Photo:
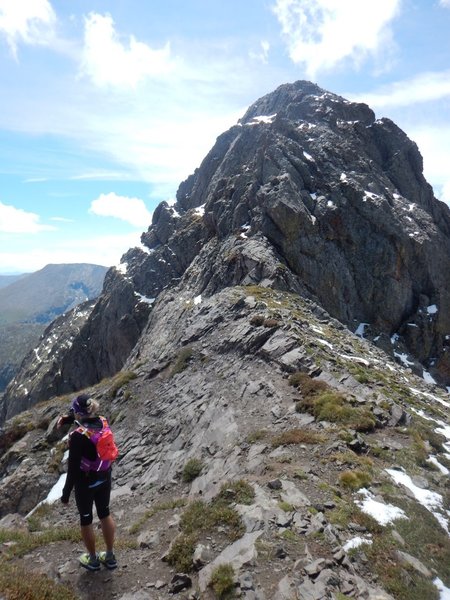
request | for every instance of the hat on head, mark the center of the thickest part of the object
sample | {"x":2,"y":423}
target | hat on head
{"x":80,"y":404}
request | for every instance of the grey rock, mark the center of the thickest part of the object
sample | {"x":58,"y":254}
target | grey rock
{"x":286,"y":589}
{"x":309,"y":590}
{"x":315,"y":567}
{"x":415,"y":563}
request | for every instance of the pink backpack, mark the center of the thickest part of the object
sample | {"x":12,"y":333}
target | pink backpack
{"x":103,"y":439}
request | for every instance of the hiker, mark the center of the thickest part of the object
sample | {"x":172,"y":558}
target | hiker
{"x":91,"y":478}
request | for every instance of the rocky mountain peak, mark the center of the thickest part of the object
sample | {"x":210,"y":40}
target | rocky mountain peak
{"x":308,"y":193}
{"x":268,"y":362}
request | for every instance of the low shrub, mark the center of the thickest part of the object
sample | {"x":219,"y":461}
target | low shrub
{"x":257,"y":320}
{"x":202,"y":518}
{"x":181,"y":362}
{"x":297,"y":436}
{"x":181,"y":553}
{"x":238,"y":491}
{"x":222,"y":581}
{"x":192,"y":469}
{"x":119,"y":380}
{"x":17,"y":583}
{"x":355,"y":480}
{"x":334,"y":407}
{"x":306,"y":384}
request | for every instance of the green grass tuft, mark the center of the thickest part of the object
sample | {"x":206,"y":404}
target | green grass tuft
{"x":192,"y":469}
{"x":222,"y":581}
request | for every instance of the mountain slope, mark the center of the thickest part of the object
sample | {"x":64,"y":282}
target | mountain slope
{"x":42,"y":296}
{"x":30,"y":303}
{"x":228,"y":448}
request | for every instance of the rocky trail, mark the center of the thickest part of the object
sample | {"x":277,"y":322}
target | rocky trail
{"x":267,"y":442}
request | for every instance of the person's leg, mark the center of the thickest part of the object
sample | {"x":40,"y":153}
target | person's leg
{"x":108,"y":530}
{"x":88,"y":537}
{"x":85,"y":500}
{"x":107,"y":523}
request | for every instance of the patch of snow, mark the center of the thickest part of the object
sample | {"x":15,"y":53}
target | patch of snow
{"x":122,"y":268}
{"x":343,"y":177}
{"x":313,"y":195}
{"x":317,"y":329}
{"x":144,"y":299}
{"x":308,"y":156}
{"x":432,"y":309}
{"x":382,"y":513}
{"x":200,"y":210}
{"x":432,"y":501}
{"x":313,"y":219}
{"x":360,"y":330}
{"x":175,"y":213}
{"x":363,"y":361}
{"x":431,"y":396}
{"x":324,"y":343}
{"x":443,"y":591}
{"x":330,"y":203}
{"x":428,"y":378}
{"x":262,"y":119}
{"x":403,"y":358}
{"x":369,"y":196}
{"x":394,"y":338}
{"x":433,"y":460}
{"x":198,"y":299}
{"x":356,"y":542}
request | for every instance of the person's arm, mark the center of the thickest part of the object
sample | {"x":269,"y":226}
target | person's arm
{"x":73,"y":466}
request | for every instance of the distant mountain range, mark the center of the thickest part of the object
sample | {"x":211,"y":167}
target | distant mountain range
{"x":29,"y":302}
{"x":8,"y":279}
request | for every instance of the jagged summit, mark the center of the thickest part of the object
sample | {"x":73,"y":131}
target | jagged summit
{"x":308,"y":193}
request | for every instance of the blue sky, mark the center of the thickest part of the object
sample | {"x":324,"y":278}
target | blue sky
{"x":105,"y":107}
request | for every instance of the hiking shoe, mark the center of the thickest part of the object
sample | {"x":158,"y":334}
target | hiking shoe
{"x":89,"y":564}
{"x":109,"y":562}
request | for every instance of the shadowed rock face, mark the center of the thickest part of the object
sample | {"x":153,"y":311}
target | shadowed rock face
{"x":308,"y":193}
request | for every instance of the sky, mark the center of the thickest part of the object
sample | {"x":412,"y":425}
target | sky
{"x":106,"y":107}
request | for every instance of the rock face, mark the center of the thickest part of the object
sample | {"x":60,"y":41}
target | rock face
{"x":308,"y":193}
{"x":29,"y":303}
{"x":80,"y":348}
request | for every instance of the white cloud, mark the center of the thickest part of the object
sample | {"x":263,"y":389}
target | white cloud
{"x":263,"y":54}
{"x":26,"y":21}
{"x":434,"y":145}
{"x":108,"y":61}
{"x":16,"y":220}
{"x":130,"y":210}
{"x":421,"y":88}
{"x":99,"y":250}
{"x":445,"y":194}
{"x":445,"y":3}
{"x":322,"y":33}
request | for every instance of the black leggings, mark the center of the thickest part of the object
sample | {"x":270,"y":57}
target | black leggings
{"x":88,"y":492}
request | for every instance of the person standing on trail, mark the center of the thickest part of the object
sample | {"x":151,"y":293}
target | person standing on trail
{"x":91,"y":478}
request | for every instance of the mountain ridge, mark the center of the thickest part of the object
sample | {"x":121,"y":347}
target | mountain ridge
{"x":266,"y":363}
{"x":33,"y":301}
